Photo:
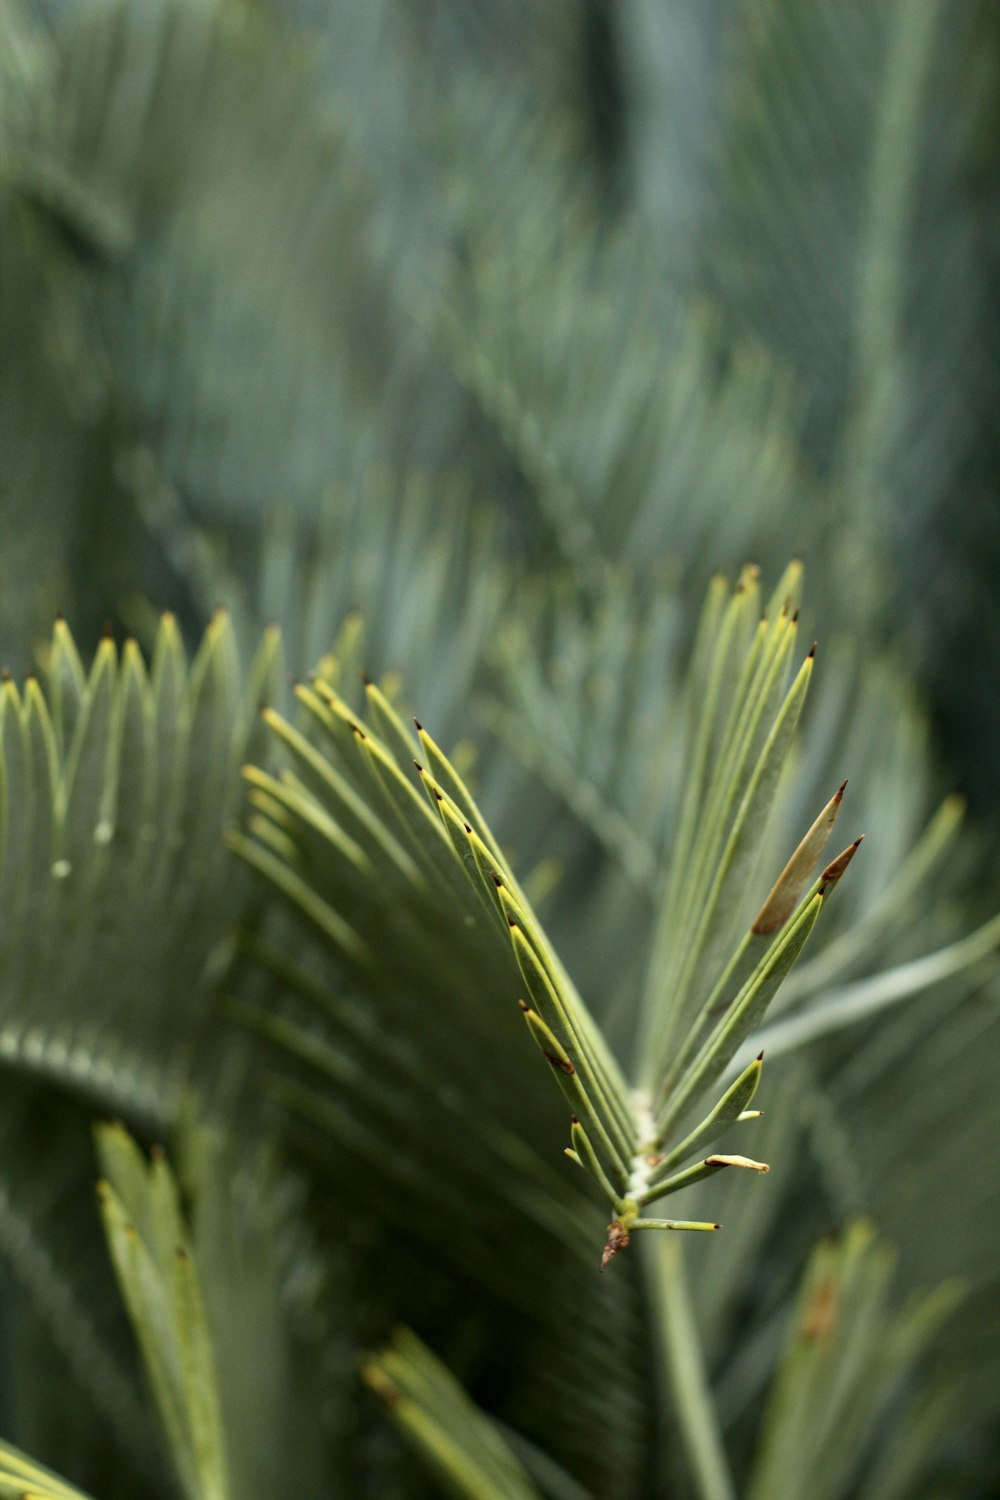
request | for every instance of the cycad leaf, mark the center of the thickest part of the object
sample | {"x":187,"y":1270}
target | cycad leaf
{"x":445,"y":1426}
{"x":159,"y":1282}
{"x":22,"y":1479}
{"x":358,"y":848}
{"x":847,"y":1355}
{"x":115,"y":884}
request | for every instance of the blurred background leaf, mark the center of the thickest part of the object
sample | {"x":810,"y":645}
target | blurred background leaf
{"x":466,"y":343}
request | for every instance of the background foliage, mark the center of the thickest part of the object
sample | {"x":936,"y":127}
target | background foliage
{"x":460,"y":346}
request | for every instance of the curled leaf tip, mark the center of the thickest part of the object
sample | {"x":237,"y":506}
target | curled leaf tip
{"x":738,"y":1161}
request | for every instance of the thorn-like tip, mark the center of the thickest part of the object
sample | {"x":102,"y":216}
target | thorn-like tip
{"x":511,"y":922}
{"x":420,"y":769}
{"x":420,"y":727}
{"x":812,"y":652}
{"x":795,"y":618}
{"x":573,"y":1120}
{"x":438,"y":796}
{"x":524,"y":1005}
{"x":842,"y":787}
{"x":366,"y":680}
{"x":467,"y":827}
{"x":760,"y":1055}
{"x":496,"y":880}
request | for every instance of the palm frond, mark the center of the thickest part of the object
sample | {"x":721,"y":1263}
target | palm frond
{"x":152,"y":1257}
{"x":347,"y":828}
{"x":444,"y":1425}
{"x":117,"y":783}
{"x":846,"y":1355}
{"x":22,"y":1479}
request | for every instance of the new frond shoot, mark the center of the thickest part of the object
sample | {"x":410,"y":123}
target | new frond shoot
{"x":347,"y":830}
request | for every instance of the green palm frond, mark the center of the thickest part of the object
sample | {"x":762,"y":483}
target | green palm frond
{"x":441,"y":1421}
{"x":117,"y":784}
{"x":351,"y":841}
{"x":22,"y":1479}
{"x":160,"y":1285}
{"x":233,"y":1393}
{"x":846,"y":1355}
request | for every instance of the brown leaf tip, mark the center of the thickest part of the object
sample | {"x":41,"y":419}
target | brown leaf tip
{"x":562,"y":1063}
{"x":617,"y":1240}
{"x":524,"y":1006}
{"x":836,"y":867}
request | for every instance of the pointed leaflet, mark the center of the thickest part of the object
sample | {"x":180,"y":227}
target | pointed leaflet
{"x":449,"y":1430}
{"x":742,"y":1016}
{"x":740,"y":733}
{"x":792,"y":881}
{"x":22,"y":1479}
{"x":775,"y":912}
{"x":713,"y":916}
{"x":727,"y":1112}
{"x":152,"y":1258}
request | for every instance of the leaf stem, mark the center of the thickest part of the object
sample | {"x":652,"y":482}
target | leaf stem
{"x":684,"y":1365}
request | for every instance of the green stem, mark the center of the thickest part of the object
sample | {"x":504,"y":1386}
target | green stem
{"x":684,"y":1365}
